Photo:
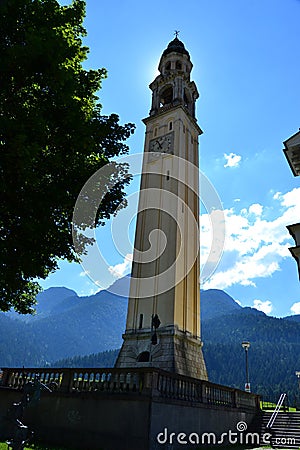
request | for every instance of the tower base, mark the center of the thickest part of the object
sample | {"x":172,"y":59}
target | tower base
{"x":175,"y":351}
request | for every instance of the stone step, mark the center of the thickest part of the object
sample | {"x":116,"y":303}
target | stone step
{"x":285,"y":429}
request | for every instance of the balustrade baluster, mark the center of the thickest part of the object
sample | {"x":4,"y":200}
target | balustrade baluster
{"x":122,"y":381}
{"x":11,"y":379}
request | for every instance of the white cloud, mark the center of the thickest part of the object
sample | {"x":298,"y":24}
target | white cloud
{"x":120,"y":270}
{"x":290,"y":198}
{"x":232,"y":160}
{"x":254,"y":246}
{"x":256,"y":209}
{"x":295,"y":308}
{"x":265,"y":306}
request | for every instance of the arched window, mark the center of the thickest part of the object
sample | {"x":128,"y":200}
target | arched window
{"x":166,"y":96}
{"x":168,"y":66}
{"x":144,"y":357}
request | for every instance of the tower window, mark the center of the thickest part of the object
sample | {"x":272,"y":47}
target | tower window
{"x":178,"y":65}
{"x":171,"y":126}
{"x":168,"y":66}
{"x":184,"y":128}
{"x":141,"y":321}
{"x":155,"y":131}
{"x":144,"y":357}
{"x":168,"y":175}
{"x":166,"y":97}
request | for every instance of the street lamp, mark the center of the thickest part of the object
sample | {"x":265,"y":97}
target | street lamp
{"x":297,"y":396}
{"x":298,"y":376}
{"x":246,"y":345}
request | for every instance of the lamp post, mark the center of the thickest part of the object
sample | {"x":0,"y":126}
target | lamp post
{"x":298,"y":376}
{"x":246,"y":345}
{"x":296,"y":396}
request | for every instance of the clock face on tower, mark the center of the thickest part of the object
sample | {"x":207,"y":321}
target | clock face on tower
{"x":162,"y":144}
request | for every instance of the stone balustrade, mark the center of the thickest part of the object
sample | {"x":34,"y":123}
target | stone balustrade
{"x":142,"y":381}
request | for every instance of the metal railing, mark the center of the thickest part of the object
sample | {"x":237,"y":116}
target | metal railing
{"x":276,"y":411}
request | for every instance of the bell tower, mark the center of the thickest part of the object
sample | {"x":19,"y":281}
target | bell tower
{"x":163,"y":319}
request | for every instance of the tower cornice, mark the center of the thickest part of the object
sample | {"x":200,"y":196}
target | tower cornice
{"x":166,"y":110}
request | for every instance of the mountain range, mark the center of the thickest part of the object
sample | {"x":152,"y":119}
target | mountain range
{"x":67,"y":328}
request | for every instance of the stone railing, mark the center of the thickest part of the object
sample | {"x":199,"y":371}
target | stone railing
{"x":76,"y":380}
{"x":142,"y":381}
{"x":184,"y":388}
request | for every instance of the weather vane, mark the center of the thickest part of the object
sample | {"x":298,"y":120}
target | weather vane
{"x":176,"y":33}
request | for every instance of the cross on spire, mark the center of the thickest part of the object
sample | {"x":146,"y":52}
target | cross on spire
{"x":176,"y":33}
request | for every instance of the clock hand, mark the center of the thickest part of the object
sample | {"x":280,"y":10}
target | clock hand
{"x":159,"y":144}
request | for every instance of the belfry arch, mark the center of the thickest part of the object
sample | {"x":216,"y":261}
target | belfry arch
{"x":166,"y":95}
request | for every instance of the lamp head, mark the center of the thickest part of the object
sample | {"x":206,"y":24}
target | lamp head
{"x":245,"y":345}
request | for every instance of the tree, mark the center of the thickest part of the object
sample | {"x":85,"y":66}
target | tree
{"x":52,"y":139}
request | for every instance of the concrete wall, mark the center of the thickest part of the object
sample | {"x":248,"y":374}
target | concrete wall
{"x":97,"y":421}
{"x":194,"y":422}
{"x":83,"y":421}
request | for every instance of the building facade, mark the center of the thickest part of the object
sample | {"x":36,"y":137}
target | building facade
{"x":292,"y":154}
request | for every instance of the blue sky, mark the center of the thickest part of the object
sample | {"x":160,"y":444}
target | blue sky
{"x":246,"y":67}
